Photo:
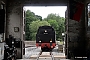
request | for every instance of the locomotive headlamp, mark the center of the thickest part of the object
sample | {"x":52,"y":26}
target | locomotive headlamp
{"x":50,"y":40}
{"x":12,"y":42}
{"x":45,"y":30}
{"x":39,"y":41}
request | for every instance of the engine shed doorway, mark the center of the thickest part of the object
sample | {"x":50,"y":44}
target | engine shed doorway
{"x":36,"y":16}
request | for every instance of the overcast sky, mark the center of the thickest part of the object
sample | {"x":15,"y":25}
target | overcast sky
{"x":44,"y":11}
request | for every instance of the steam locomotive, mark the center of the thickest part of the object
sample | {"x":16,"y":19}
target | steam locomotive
{"x":45,"y":38}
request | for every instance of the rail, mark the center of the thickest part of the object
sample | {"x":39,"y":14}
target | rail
{"x":52,"y":56}
{"x":41,"y":54}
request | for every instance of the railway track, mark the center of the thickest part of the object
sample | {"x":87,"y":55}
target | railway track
{"x":45,"y":55}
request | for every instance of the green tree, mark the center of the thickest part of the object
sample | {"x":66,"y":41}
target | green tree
{"x":52,"y":16}
{"x":34,"y":27}
{"x":55,"y":25}
{"x":58,"y":23}
{"x":34,"y":21}
{"x":30,"y":16}
{"x":39,"y":17}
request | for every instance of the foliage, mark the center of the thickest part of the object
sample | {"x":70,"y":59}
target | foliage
{"x":34,"y":21}
{"x":34,"y":27}
{"x":30,"y":16}
{"x":58,"y":23}
{"x":39,"y":17}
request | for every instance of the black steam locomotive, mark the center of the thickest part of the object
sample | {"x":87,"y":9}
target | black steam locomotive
{"x":45,"y":38}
